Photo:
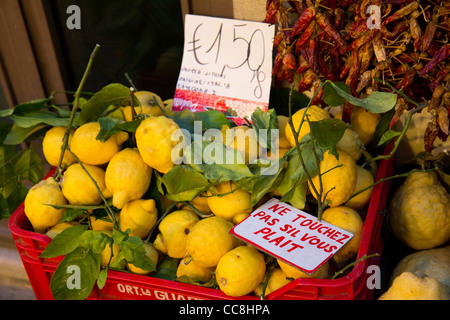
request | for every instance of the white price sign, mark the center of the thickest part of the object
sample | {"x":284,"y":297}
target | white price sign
{"x":226,"y":64}
{"x":292,"y":235}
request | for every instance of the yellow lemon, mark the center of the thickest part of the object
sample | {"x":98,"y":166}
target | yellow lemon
{"x":152,"y":254}
{"x":347,"y":219}
{"x":351,"y":143}
{"x":139,"y":216}
{"x":338,"y":178}
{"x":200,"y":203}
{"x":419,"y":211}
{"x":246,"y":142}
{"x":110,"y":253}
{"x":89,"y":150}
{"x":103,"y":223}
{"x":363,"y":122}
{"x":283,"y":142}
{"x":149,"y":105}
{"x":229,"y":202}
{"x":175,"y":229}
{"x":364,"y":179}
{"x":159,"y":244}
{"x":60,"y":227}
{"x":293,"y":273}
{"x":433,"y":263}
{"x":277,"y":280}
{"x":38,"y":203}
{"x":408,"y":286}
{"x":209,"y":239}
{"x":156,"y":145}
{"x":127,"y":176}
{"x":78,"y":187}
{"x":51,"y":146}
{"x":193,"y":271}
{"x":314,"y":113}
{"x":240,"y":271}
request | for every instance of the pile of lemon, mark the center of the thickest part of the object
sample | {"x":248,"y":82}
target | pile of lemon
{"x":96,"y":171}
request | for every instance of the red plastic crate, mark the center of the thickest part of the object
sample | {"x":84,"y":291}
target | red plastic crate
{"x":123,"y":285}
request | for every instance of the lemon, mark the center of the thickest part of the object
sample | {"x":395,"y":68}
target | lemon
{"x":38,"y":203}
{"x":363,"y":122}
{"x":347,"y":219}
{"x":148,"y":105}
{"x":209,"y":239}
{"x":51,"y":146}
{"x":229,"y":202}
{"x":433,"y":263}
{"x":200,"y":203}
{"x":364,"y":179}
{"x":193,"y":271}
{"x":175,"y":229}
{"x":277,"y":280}
{"x":159,"y":244}
{"x":78,"y":187}
{"x":168,"y":107}
{"x":240,"y":271}
{"x":314,"y":113}
{"x":155,"y":144}
{"x":245,"y":141}
{"x":283,"y":142}
{"x":293,"y":273}
{"x":60,"y":227}
{"x":110,"y":253}
{"x":127,"y":176}
{"x":89,"y":150}
{"x":103,"y":223}
{"x":152,"y":254}
{"x":419,"y":211}
{"x":408,"y":286}
{"x":139,"y":216}
{"x":351,"y":143}
{"x":338,"y":178}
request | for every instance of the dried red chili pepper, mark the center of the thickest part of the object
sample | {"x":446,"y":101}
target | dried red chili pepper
{"x":271,"y":11}
{"x":365,"y":54}
{"x":302,"y":65}
{"x":326,"y":26}
{"x":353,"y":73}
{"x":429,"y":33}
{"x":442,"y":119}
{"x":407,"y":80}
{"x":366,"y":37}
{"x":378,"y":48}
{"x":305,"y":36}
{"x":402,"y":12}
{"x":324,"y":69}
{"x":416,"y":32}
{"x":435,"y":100}
{"x":364,"y":80}
{"x":289,"y":61}
{"x":440,"y":76}
{"x":400,"y":107}
{"x":308,"y":78}
{"x":346,"y":68}
{"x":441,"y":55}
{"x":431,"y":133}
{"x":303,"y":21}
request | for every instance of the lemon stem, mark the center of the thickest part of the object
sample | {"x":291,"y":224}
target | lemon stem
{"x":354,"y":263}
{"x":74,"y":109}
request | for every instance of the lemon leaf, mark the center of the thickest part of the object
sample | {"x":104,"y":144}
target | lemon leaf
{"x":112,"y":94}
{"x":328,"y":132}
{"x":265,"y":121}
{"x":76,"y":275}
{"x":63,"y":243}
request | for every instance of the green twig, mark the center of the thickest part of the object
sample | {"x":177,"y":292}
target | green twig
{"x":74,"y":109}
{"x":353,"y":264}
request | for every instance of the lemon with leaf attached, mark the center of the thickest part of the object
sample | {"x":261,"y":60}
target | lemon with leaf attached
{"x":139,"y":216}
{"x":150,"y":105}
{"x":151,"y":253}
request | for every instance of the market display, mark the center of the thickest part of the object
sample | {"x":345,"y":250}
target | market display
{"x":136,"y":191}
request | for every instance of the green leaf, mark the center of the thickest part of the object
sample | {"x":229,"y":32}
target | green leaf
{"x":184,"y":119}
{"x":328,"y":132}
{"x":102,"y":276}
{"x":64,"y":242}
{"x":31,"y":119}
{"x":110,"y":126}
{"x":132,"y":250}
{"x":167,"y":269}
{"x":71,"y":214}
{"x":331,"y":97}
{"x":94,"y":240}
{"x":29,"y":166}
{"x":186,"y":189}
{"x":76,"y":275}
{"x":17,"y":135}
{"x":265,"y":122}
{"x":388,"y":135}
{"x":212,"y":119}
{"x":264,"y":183}
{"x":297,"y":196}
{"x":112,"y":94}
{"x":376,"y":102}
{"x":27,"y":107}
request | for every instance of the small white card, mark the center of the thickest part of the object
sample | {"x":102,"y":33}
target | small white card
{"x":227,"y":64}
{"x":291,"y":235}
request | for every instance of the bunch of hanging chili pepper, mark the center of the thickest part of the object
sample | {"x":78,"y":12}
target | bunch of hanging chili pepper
{"x":331,"y":39}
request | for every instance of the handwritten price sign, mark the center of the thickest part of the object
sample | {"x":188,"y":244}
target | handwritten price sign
{"x":226,"y":66}
{"x":292,"y":235}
